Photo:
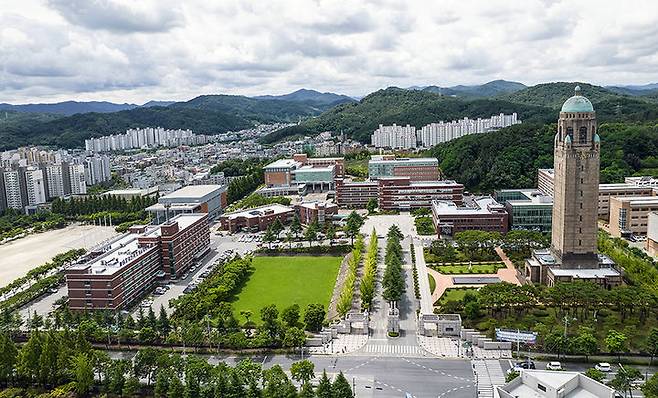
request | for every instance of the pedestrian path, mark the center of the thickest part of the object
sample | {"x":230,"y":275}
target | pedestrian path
{"x":441,"y":346}
{"x":393,"y":350}
{"x":343,"y":344}
{"x":488,"y":375}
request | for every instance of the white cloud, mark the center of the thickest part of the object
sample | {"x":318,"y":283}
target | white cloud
{"x":127,"y":51}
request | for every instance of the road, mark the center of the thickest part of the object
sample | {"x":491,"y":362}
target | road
{"x":375,"y":376}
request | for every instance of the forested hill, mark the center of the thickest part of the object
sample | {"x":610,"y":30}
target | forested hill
{"x":510,"y":157}
{"x":205,"y":114}
{"x":400,"y":106}
{"x":553,"y":95}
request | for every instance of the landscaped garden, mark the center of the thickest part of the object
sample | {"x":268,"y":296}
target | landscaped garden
{"x":285,"y":281}
{"x":454,"y":294}
{"x":432,"y":283}
{"x":464,"y":268}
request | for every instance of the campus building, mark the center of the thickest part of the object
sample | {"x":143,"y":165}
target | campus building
{"x":528,"y":209}
{"x":210,"y":199}
{"x":256,"y":219}
{"x":630,"y":215}
{"x":301,"y":174}
{"x":355,"y":194}
{"x":479,"y":213}
{"x":573,"y":253}
{"x":652,"y":234}
{"x":316,"y":211}
{"x":633,"y":186}
{"x":551,"y":384}
{"x":417,"y":169}
{"x":120,"y":272}
{"x":403,"y":193}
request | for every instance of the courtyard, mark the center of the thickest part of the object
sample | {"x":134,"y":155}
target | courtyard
{"x":285,"y":281}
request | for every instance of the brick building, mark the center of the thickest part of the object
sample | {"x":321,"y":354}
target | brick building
{"x":119,"y":273}
{"x":479,"y":213}
{"x":209,"y":199}
{"x":312,"y":211}
{"x":256,"y":219}
{"x":355,"y":194}
{"x":417,"y":169}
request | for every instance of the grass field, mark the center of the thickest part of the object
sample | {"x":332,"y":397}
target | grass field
{"x":454,"y":295}
{"x":463,"y":269}
{"x":285,"y":281}
{"x":432,"y":283}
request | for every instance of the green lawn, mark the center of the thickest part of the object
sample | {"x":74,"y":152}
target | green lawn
{"x":432,"y":283}
{"x":454,"y":295}
{"x":463,"y":269}
{"x":285,"y":281}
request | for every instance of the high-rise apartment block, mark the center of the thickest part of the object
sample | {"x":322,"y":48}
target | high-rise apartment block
{"x":407,"y":137}
{"x":394,"y":137}
{"x":149,"y":137}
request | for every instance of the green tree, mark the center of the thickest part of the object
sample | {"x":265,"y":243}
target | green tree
{"x":650,"y":387}
{"x":269,"y":237}
{"x":277,"y":227}
{"x":586,"y":344}
{"x":163,"y":325}
{"x":302,"y":371}
{"x":595,"y":374}
{"x":511,"y":376}
{"x":311,"y":233}
{"x":616,"y":342}
{"x":132,"y":387}
{"x":652,"y":343}
{"x":270,"y":317}
{"x":314,"y":317}
{"x":294,"y":337}
{"x":83,"y":373}
{"x":324,"y":387}
{"x":49,"y":369}
{"x":330,"y":233}
{"x":290,"y":315}
{"x":353,"y":224}
{"x":371,"y":206}
{"x":625,"y":379}
{"x":116,"y":376}
{"x":277,"y":384}
{"x":8,"y":358}
{"x":28,"y":359}
{"x":306,"y":391}
{"x":341,"y":387}
{"x":176,"y":388}
{"x":146,"y":363}
{"x":472,"y":310}
{"x":296,"y":226}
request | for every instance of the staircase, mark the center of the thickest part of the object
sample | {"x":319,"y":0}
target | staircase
{"x":489,"y":374}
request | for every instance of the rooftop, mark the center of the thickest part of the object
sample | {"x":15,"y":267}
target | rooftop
{"x":275,"y":208}
{"x":637,"y":200}
{"x":480,"y":205}
{"x":577,"y":103}
{"x":194,"y":191}
{"x":402,"y":161}
{"x":561,"y":384}
{"x":584,"y":273}
{"x":283,"y":164}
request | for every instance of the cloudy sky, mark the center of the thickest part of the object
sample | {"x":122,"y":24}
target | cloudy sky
{"x":135,"y":51}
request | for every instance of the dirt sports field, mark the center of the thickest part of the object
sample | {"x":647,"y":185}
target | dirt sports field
{"x":21,"y":255}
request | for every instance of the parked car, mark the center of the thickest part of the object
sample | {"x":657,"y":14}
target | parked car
{"x":554,"y":366}
{"x":525,"y":365}
{"x":603,"y":367}
{"x":515,"y":369}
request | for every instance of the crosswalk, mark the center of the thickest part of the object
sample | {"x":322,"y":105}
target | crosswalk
{"x":489,"y":374}
{"x":393,"y":350}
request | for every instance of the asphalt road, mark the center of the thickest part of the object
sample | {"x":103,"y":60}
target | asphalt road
{"x":380,"y":376}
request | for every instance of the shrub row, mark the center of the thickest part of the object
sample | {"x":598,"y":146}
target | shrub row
{"x":347,"y":294}
{"x":415,"y":272}
{"x":367,"y":286}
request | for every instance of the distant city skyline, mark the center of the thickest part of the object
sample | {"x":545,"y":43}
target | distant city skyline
{"x":122,"y":51}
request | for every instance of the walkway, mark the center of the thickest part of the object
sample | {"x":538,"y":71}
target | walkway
{"x":444,"y":281}
{"x":488,"y":374}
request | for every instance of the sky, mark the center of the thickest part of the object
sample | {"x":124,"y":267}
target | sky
{"x":136,"y":51}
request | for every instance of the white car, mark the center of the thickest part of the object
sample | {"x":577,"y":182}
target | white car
{"x":515,"y":369}
{"x":603,"y":367}
{"x":554,"y":366}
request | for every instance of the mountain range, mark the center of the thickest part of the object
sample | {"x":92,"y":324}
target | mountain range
{"x":53,"y":124}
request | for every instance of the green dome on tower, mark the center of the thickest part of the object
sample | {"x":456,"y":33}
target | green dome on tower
{"x":577,"y":103}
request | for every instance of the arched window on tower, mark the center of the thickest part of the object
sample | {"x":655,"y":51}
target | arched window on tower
{"x":593,"y":132}
{"x":582,"y":135}
{"x":570,"y":132}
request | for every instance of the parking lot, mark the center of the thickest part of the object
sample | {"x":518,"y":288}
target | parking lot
{"x":222,"y":246}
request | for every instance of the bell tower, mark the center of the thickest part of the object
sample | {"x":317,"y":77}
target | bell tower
{"x":576,"y":185}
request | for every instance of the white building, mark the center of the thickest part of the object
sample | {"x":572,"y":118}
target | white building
{"x":553,"y":384}
{"x":55,"y":178}
{"x":13,"y":189}
{"x":97,"y":169}
{"x":436,"y":133}
{"x":149,"y":137}
{"x":394,"y":137}
{"x":35,"y":186}
{"x":77,"y":179}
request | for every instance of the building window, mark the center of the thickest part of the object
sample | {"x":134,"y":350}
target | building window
{"x":541,"y":388}
{"x":582,"y":135}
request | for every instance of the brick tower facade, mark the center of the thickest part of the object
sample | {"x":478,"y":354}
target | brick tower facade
{"x":576,"y":157}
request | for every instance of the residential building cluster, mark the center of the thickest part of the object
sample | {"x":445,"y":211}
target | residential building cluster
{"x":120,"y":272}
{"x":31,"y":177}
{"x":407,"y":137}
{"x":149,"y":137}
